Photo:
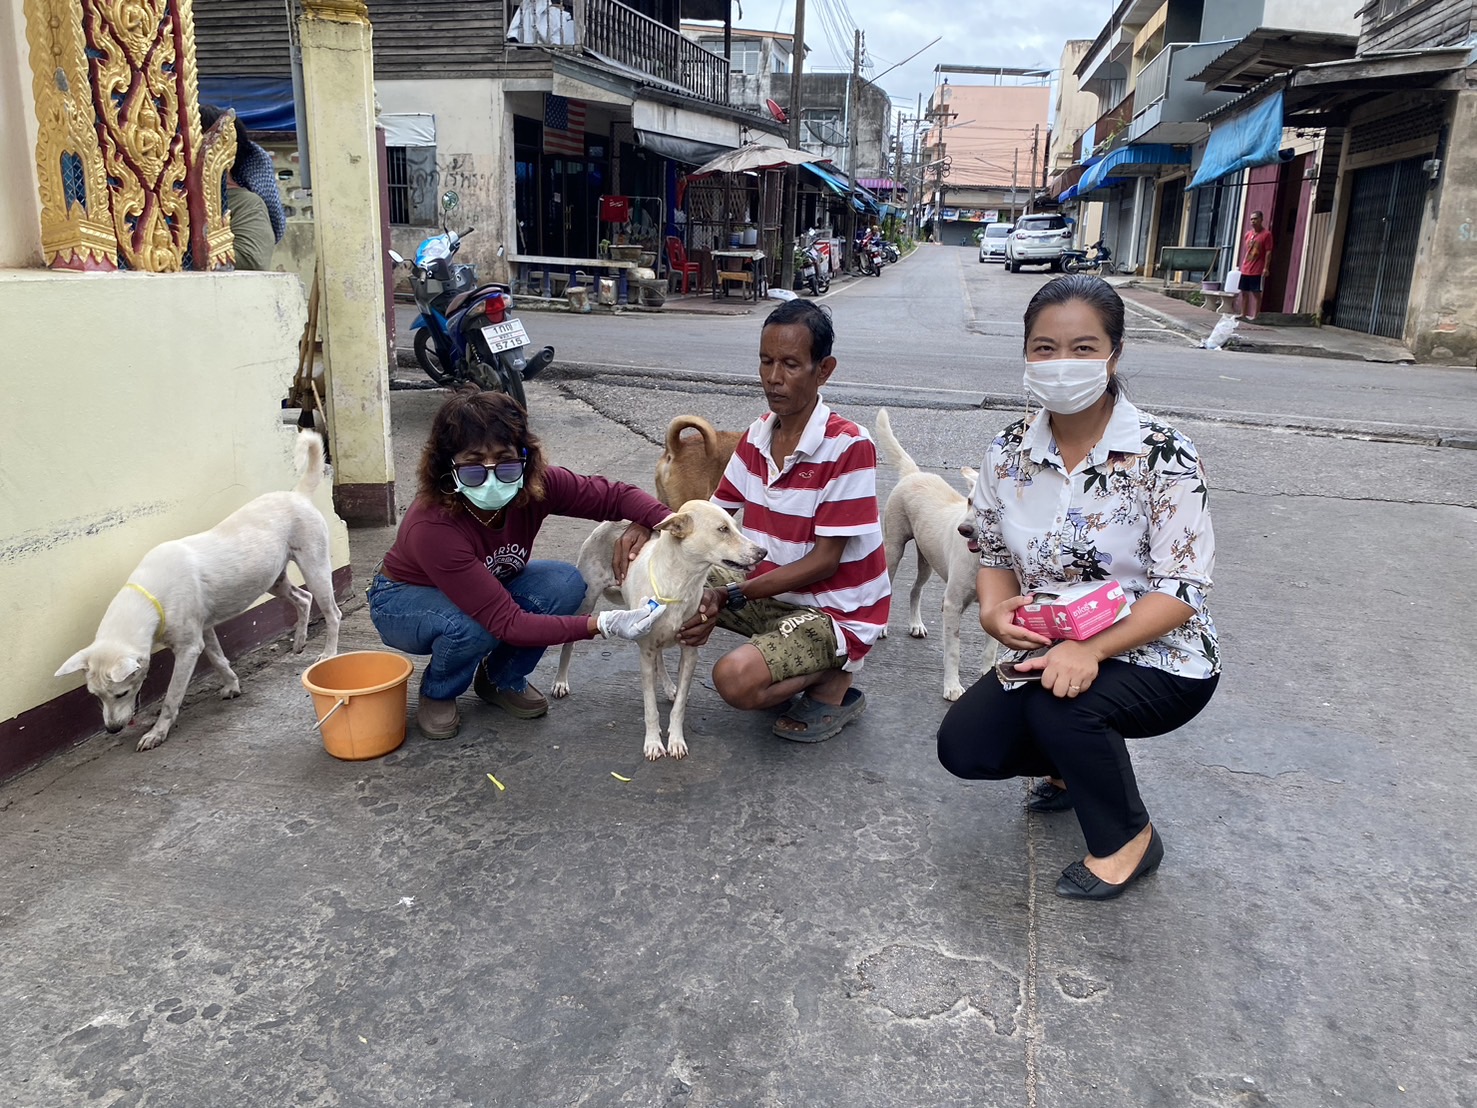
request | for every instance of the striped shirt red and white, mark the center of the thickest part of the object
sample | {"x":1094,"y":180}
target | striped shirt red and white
{"x":828,"y":487}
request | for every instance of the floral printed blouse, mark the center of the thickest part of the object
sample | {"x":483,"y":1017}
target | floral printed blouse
{"x":1135,"y":511}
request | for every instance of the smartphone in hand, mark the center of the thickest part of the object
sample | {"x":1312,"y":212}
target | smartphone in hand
{"x":1009,"y":671}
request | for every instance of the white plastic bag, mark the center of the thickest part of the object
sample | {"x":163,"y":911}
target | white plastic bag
{"x":1221,"y":333}
{"x":1232,"y":282}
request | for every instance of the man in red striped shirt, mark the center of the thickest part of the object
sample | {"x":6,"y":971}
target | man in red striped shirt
{"x":806,"y":481}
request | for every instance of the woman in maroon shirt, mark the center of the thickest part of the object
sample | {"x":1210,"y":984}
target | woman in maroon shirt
{"x":460,"y":584}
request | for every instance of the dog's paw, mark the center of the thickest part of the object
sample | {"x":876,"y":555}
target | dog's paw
{"x":653,"y":749}
{"x":560,"y":690}
{"x":669,"y":690}
{"x":151,"y":739}
{"x":918,"y":631}
{"x":299,"y":641}
{"x":676,"y":747}
{"x":953,"y":692}
{"x":231,"y":691}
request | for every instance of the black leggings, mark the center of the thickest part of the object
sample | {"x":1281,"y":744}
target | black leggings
{"x":991,"y":734}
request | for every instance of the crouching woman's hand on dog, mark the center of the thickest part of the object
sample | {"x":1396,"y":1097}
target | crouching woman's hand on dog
{"x":626,"y":548}
{"x":697,"y":630}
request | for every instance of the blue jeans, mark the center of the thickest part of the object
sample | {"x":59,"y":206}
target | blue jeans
{"x":418,"y":619}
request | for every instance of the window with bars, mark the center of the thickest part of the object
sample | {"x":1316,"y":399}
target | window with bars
{"x":412,"y":183}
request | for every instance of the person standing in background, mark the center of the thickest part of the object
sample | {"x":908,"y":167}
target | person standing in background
{"x":1256,"y":252}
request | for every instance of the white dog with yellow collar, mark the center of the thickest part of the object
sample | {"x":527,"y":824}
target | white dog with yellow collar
{"x":184,"y":587}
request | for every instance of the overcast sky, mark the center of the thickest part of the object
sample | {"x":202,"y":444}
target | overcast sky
{"x":1016,"y":33}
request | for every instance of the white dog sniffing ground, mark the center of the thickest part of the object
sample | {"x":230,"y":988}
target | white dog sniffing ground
{"x":184,"y":587}
{"x":673,"y":567}
{"x":923,"y":509}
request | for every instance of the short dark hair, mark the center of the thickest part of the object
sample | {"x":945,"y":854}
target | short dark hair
{"x":475,"y":418}
{"x":813,"y":318}
{"x":1093,"y":291}
{"x":209,"y":113}
{"x":1255,"y":214}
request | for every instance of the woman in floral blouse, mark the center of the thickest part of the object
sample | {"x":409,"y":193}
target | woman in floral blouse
{"x":1088,"y":489}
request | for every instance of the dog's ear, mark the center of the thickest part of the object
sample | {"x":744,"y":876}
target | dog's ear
{"x":678,"y":525}
{"x":75,"y":664}
{"x":124,"y":668}
{"x":970,"y":476}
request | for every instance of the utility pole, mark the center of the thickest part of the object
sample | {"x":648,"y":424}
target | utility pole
{"x":897,"y":160}
{"x":1035,"y":142}
{"x":792,"y":175}
{"x":854,"y":89}
{"x":1015,"y":164}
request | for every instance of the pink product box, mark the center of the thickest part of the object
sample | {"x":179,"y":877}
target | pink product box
{"x":1076,"y":612}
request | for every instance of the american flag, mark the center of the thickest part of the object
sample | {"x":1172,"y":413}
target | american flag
{"x":564,"y":126}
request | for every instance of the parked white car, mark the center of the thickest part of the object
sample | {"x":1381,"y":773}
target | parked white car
{"x":1037,"y":240}
{"x":992,"y":242}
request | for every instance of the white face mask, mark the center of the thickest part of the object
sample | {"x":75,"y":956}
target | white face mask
{"x":1067,"y":385}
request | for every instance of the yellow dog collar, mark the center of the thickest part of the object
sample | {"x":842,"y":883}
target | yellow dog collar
{"x":152,"y":599}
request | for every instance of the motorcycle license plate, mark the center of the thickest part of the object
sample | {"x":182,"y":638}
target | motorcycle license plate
{"x":508,"y":335}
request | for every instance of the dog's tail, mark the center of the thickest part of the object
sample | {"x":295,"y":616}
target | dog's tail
{"x":892,"y":450}
{"x":698,"y":424}
{"x":307,"y":456}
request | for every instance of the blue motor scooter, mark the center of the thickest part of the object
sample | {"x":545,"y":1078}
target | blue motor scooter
{"x":465,"y":331}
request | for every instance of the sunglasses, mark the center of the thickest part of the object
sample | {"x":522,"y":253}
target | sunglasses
{"x":474,"y":476}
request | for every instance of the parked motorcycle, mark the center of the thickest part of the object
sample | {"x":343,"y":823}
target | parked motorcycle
{"x":465,"y":331}
{"x":1099,"y":261}
{"x":812,"y":270}
{"x":890,"y":252}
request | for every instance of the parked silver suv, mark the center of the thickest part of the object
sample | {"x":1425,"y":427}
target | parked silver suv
{"x":1037,"y":240}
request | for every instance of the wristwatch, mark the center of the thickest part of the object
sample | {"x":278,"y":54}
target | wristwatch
{"x":736,"y":597}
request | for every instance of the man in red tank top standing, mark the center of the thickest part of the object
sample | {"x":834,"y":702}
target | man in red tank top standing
{"x":1256,"y":254}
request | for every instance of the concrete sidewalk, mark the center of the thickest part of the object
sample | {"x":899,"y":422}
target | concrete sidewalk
{"x":238,"y":919}
{"x":1307,"y":342}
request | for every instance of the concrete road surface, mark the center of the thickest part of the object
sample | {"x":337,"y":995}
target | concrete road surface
{"x":238,"y":919}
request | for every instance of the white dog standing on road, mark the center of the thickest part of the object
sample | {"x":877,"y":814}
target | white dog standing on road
{"x":922,"y":508}
{"x":673,"y":567}
{"x":184,"y":587}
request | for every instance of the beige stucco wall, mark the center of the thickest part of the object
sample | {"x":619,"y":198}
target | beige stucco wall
{"x":1075,"y":109}
{"x":163,"y":417}
{"x":474,"y":158}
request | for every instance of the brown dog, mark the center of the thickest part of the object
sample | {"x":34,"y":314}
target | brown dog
{"x":690,"y":468}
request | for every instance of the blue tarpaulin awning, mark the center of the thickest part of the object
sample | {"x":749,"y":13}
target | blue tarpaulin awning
{"x":1152,"y":153}
{"x":1247,"y":139}
{"x":261,"y":103}
{"x":862,"y":200}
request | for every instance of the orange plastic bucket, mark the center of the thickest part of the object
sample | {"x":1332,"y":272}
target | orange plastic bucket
{"x":359,"y":700}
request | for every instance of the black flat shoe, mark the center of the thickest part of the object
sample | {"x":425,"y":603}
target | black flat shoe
{"x":1077,"y":882}
{"x":1046,"y":797}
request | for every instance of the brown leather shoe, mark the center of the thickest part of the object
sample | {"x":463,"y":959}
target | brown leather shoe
{"x":438,"y":719}
{"x":528,"y":704}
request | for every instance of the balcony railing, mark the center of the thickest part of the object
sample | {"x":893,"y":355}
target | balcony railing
{"x":1153,"y":83}
{"x":616,"y":33}
{"x":1104,"y":129}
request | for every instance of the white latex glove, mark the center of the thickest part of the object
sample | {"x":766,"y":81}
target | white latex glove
{"x":629,"y":623}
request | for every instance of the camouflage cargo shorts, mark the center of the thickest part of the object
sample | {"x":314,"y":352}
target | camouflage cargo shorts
{"x":794,"y":641}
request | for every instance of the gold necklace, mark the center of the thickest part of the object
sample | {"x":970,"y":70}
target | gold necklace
{"x":488,"y":522}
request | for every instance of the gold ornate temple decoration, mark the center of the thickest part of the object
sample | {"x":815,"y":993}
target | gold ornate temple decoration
{"x":76,"y":216}
{"x":214,"y":240}
{"x":120,"y":152}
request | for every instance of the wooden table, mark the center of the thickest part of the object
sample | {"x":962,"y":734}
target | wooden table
{"x":566,"y":266}
{"x":750,"y":272}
